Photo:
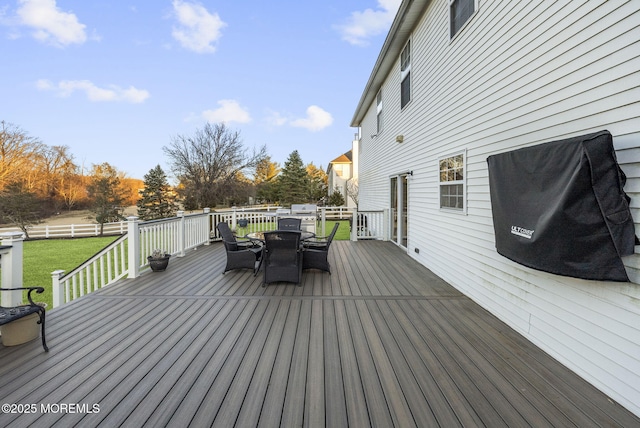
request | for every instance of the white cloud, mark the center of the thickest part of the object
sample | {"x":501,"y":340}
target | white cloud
{"x":198,"y":30}
{"x":229,"y":111}
{"x":316,"y":120}
{"x":66,"y":88}
{"x":275,"y":119}
{"x":50,"y":24}
{"x":363,"y":25}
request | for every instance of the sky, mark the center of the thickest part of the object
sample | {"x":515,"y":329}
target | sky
{"x":116,"y":81}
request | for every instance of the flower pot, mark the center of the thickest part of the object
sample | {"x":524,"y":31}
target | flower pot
{"x":159,"y":264}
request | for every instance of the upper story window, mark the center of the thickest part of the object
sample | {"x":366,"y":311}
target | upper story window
{"x":405,"y":75}
{"x":452,"y":182}
{"x":379,"y":111}
{"x":459,"y":13}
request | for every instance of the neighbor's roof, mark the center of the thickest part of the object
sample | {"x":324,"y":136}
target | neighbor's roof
{"x":343,"y":158}
{"x":404,"y":23}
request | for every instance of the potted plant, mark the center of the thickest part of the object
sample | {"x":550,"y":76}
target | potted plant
{"x":158,"y":260}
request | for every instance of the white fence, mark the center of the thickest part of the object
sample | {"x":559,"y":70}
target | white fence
{"x":70,"y":230}
{"x":127,"y":255}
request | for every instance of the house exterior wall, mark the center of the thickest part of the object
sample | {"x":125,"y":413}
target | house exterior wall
{"x":518,"y":74}
{"x":339,"y":175}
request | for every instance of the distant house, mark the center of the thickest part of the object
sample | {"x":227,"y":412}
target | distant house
{"x":342,"y":175}
{"x":458,"y":81}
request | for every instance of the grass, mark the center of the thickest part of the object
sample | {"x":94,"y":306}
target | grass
{"x":343,"y":233}
{"x":40,"y":258}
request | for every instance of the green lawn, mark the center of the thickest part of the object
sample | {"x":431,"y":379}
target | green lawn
{"x":343,"y":232}
{"x":45,"y":256}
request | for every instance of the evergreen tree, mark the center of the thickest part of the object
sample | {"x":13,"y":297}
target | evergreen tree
{"x":336,"y":199}
{"x":265,"y":180}
{"x":318,"y":183}
{"x":157,"y":200}
{"x":105,"y":194}
{"x":293,"y":181}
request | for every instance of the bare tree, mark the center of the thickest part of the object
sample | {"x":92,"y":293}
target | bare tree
{"x":207,"y":164}
{"x":16,"y":153}
{"x":353,"y":190}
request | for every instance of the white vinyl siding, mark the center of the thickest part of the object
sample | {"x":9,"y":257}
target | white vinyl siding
{"x":525,"y":73}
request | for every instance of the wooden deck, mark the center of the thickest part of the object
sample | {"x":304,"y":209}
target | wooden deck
{"x":380,"y":342}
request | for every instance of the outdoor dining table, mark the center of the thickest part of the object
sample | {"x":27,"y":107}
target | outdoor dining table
{"x":259,"y":236}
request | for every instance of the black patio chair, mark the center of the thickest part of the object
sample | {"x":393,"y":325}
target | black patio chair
{"x":316,"y":254}
{"x":282,"y":259}
{"x":321,"y":242}
{"x":249,"y":258}
{"x":240,"y":255}
{"x":14,"y":313}
{"x":227,"y":235}
{"x":289,"y":223}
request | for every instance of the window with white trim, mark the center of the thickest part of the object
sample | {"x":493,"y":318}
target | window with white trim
{"x":405,"y":75}
{"x":459,"y":13}
{"x":452,"y":182}
{"x":379,"y":111}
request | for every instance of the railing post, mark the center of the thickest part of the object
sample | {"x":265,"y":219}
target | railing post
{"x":133,"y":231}
{"x":207,"y":211}
{"x":324,"y":220}
{"x":386,"y":218}
{"x":234,"y":218}
{"x":181,"y":232}
{"x":58,"y":292}
{"x":12,"y":268}
{"x":354,"y":225}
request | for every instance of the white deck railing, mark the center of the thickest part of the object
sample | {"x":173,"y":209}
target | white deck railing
{"x":104,"y":268}
{"x":370,"y":225}
{"x":127,"y":255}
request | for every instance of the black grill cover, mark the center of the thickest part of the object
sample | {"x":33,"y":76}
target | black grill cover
{"x":560,"y":207}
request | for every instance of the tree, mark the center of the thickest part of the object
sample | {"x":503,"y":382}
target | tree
{"x":353,"y":190}
{"x":318,"y":183}
{"x":20,"y":207}
{"x":157,"y":198}
{"x":16,"y":153}
{"x":51,"y":166}
{"x":265,"y":180}
{"x":207,"y":164}
{"x":131,"y":188}
{"x":293,"y":181}
{"x":105,"y":194}
{"x":336,"y":199}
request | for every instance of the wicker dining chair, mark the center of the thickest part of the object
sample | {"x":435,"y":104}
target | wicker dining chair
{"x":321,"y":242}
{"x":282,"y":257}
{"x":240,"y":254}
{"x":289,"y":223}
{"x":316,"y":252}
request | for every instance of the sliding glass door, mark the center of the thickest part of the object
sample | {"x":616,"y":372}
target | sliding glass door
{"x":399,"y":209}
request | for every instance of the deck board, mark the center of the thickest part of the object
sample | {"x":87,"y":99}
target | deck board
{"x":381,"y":342}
